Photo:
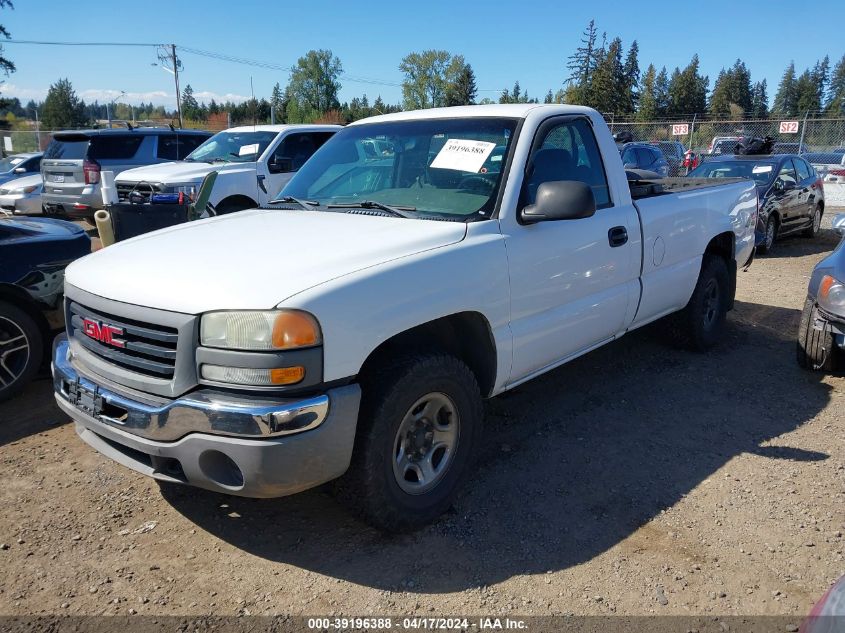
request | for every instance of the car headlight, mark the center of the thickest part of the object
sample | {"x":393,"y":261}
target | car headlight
{"x":832,"y":295}
{"x":265,"y":330}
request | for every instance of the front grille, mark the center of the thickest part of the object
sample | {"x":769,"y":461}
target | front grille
{"x":147,"y":348}
{"x":143,"y":191}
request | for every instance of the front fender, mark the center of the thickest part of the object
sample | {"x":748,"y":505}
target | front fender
{"x":359,"y":311}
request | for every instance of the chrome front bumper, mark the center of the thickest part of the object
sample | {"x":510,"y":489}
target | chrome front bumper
{"x":245,"y":446}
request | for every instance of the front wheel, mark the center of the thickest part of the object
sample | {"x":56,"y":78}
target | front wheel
{"x":771,"y":234}
{"x":816,"y":348}
{"x":419,"y":426}
{"x":813,"y":229}
{"x":21,"y":349}
{"x":699,"y":325}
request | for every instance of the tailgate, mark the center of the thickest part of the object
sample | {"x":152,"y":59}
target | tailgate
{"x":61,"y":167}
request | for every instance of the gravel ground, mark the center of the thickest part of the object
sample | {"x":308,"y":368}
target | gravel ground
{"x":639,"y":479}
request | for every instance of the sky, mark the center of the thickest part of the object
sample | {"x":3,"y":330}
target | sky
{"x":503,"y":41}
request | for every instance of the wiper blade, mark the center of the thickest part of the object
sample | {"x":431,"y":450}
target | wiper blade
{"x":399,"y":212}
{"x":305,"y":204}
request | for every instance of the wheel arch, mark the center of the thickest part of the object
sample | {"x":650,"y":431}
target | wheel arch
{"x":18,"y":297}
{"x":724,"y":245}
{"x":238,"y":199}
{"x":466,"y":335}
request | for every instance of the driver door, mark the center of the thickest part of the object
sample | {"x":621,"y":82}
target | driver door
{"x":789,"y":198}
{"x":574,"y":283}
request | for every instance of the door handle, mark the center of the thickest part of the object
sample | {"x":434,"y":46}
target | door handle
{"x":617,"y":236}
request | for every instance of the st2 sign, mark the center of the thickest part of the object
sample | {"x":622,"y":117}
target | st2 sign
{"x":680,"y":129}
{"x":789,"y":127}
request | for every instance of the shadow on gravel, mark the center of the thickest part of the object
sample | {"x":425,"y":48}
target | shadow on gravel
{"x":798,"y":246}
{"x":573,"y":463}
{"x":31,"y":412}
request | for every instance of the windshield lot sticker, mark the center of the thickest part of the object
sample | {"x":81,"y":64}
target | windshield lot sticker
{"x":463,"y":155}
{"x":248,"y":149}
{"x":761,"y":169}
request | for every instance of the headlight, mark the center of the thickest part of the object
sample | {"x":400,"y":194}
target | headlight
{"x":260,"y":330}
{"x":832,"y":295}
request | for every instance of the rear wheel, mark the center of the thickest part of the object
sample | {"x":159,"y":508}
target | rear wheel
{"x":816,"y":348}
{"x":21,"y":349}
{"x":771,"y":234}
{"x":699,"y":325}
{"x":419,"y":426}
{"x":813,"y":229}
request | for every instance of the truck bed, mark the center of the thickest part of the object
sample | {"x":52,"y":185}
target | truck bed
{"x":650,"y":187}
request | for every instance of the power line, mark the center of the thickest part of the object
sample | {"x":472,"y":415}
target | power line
{"x":47,"y":43}
{"x":223,"y":57}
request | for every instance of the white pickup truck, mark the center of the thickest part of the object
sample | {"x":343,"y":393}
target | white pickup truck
{"x":418,"y":263}
{"x":253,"y":163}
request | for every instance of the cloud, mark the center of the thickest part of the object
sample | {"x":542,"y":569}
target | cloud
{"x":157,"y":97}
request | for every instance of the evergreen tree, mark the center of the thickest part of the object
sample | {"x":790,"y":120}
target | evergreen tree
{"x":786,"y":98}
{"x":807,"y":93}
{"x":62,"y":108}
{"x":732,"y":91}
{"x":760,"y":101}
{"x":688,"y":90}
{"x":278,"y":102}
{"x":836,"y":91}
{"x":462,"y":90}
{"x":648,"y":106}
{"x":661,"y":92}
{"x":549,"y":97}
{"x":190,"y":107}
{"x":632,"y":78}
{"x":821,"y":74}
{"x":582,"y":62}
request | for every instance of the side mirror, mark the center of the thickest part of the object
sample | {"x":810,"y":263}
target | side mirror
{"x":560,"y":200}
{"x":280,"y":165}
{"x":19,"y":170}
{"x":839,"y":224}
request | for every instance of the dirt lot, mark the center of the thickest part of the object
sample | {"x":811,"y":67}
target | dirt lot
{"x":639,"y":479}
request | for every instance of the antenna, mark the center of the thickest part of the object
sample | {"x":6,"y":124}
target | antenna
{"x":254,"y":105}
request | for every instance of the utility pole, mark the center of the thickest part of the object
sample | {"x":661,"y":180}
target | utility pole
{"x":176,"y":77}
{"x":171,"y":63}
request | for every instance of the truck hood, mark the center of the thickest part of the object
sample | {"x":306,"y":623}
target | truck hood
{"x":252,"y":259}
{"x":177,"y":173}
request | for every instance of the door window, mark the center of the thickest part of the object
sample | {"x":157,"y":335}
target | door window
{"x":803,"y":169}
{"x":300,"y":147}
{"x":644,"y":157}
{"x":114,"y":146}
{"x":787,"y":172}
{"x":569,"y":152}
{"x":177,"y":146}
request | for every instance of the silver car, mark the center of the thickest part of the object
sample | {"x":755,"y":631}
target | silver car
{"x":73,"y":162}
{"x":18,"y":165}
{"x":22,"y":196}
{"x":821,"y":334}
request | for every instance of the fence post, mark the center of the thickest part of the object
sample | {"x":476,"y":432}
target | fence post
{"x":692,"y":130}
{"x":37,"y":130}
{"x":611,"y":123}
{"x":803,"y":128}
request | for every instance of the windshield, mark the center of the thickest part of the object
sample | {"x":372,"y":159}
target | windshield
{"x":760,"y":172}
{"x":233,"y":147}
{"x":8,"y":164}
{"x":446,"y":167}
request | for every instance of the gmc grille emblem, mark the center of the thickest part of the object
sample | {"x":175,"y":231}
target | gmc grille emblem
{"x":103,"y":332}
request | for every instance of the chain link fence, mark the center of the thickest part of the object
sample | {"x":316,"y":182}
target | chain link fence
{"x":822,"y":140}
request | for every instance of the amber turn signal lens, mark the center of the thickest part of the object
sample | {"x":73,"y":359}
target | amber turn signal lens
{"x":295,"y":329}
{"x":824,"y":288}
{"x":287,"y":375}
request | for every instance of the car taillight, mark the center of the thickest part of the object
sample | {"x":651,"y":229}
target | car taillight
{"x":91,"y":169}
{"x":837,"y":172}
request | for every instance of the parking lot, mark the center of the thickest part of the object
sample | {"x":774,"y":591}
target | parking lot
{"x":638,"y":479}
